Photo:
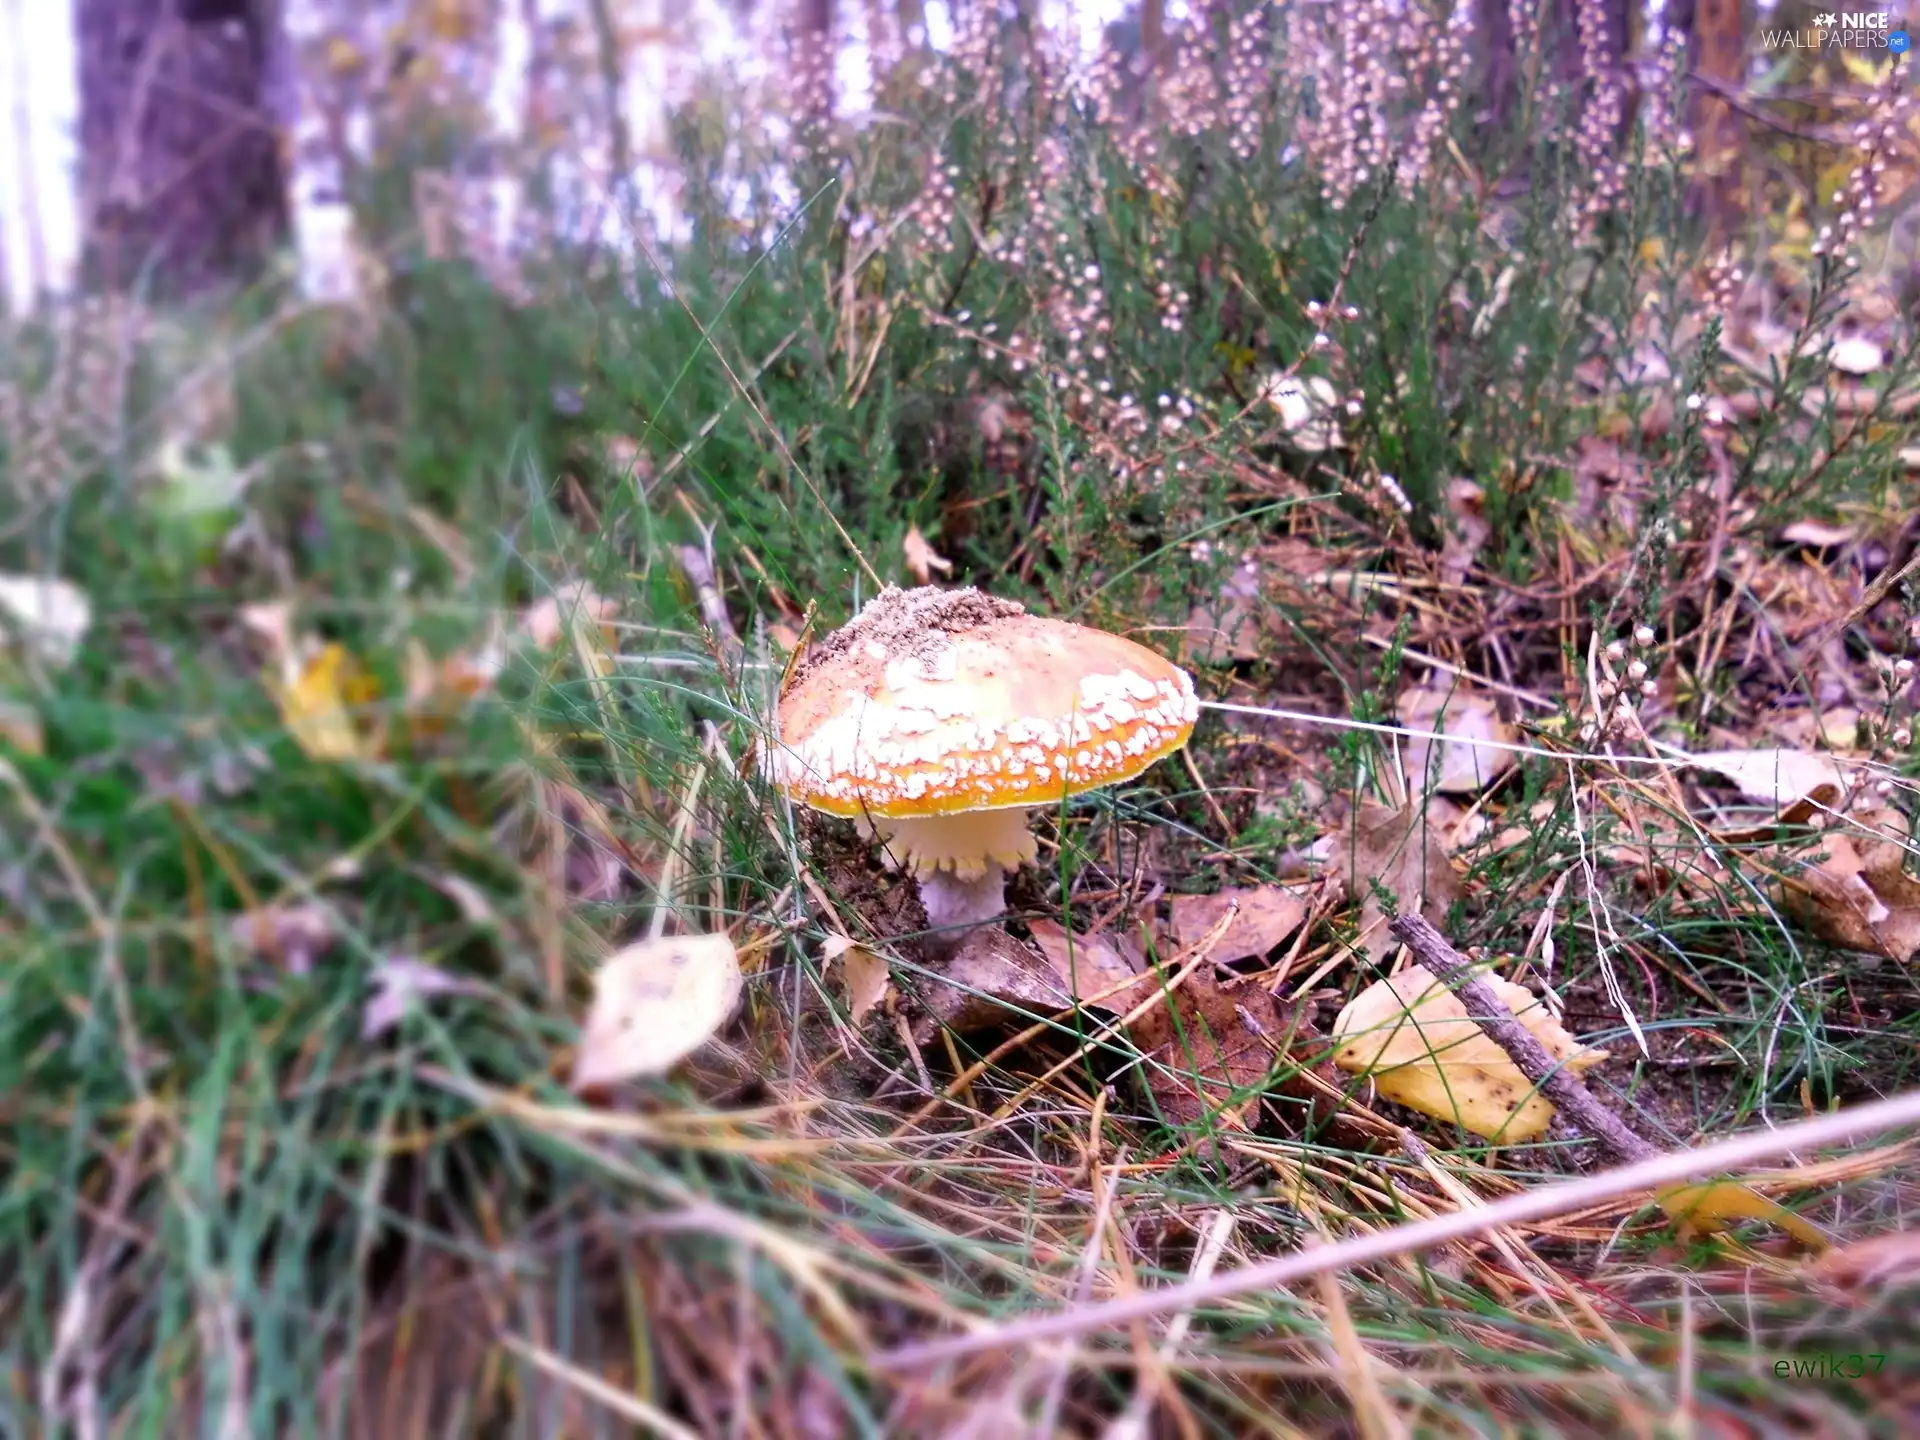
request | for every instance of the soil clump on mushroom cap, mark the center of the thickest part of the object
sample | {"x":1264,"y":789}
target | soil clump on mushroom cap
{"x":908,"y":624}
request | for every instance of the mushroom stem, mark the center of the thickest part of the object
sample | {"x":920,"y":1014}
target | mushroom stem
{"x":953,"y":903}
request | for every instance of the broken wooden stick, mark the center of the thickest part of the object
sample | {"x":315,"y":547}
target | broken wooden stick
{"x":1699,"y":1208}
{"x":1489,"y":1012}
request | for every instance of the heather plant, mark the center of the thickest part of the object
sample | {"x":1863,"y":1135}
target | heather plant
{"x":1287,"y":198}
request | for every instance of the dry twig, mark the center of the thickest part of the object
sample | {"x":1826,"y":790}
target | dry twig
{"x":1557,"y":1083}
{"x":1544,"y":1203}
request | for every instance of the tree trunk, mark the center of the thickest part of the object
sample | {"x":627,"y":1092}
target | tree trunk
{"x":183,"y":186}
{"x":814,"y":51}
{"x":1715,"y":48}
{"x":1500,"y":80}
{"x":1153,"y":32}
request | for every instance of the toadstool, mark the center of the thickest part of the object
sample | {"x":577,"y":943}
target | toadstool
{"x":937,"y":718}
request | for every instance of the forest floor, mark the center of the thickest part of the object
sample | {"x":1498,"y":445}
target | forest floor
{"x":418,"y":1016}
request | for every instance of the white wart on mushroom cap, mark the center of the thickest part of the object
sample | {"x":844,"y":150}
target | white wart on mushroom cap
{"x":939,"y":717}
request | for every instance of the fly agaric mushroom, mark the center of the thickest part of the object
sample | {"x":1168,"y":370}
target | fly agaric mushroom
{"x":937,"y":718}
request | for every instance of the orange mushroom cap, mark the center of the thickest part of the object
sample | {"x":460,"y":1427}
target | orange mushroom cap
{"x":938,"y":702}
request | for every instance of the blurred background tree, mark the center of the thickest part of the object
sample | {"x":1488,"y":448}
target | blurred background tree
{"x":183,"y":182}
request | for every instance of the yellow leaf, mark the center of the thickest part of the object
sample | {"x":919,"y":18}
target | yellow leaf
{"x":317,"y":701}
{"x":342,"y":56}
{"x":1239,"y":359}
{"x":1414,"y":1037}
{"x":1651,"y":250}
{"x":1865,"y":71}
{"x":654,"y":1003}
{"x":1708,"y":1207}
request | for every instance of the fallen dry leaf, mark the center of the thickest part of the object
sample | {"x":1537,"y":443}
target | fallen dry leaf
{"x":866,"y":982}
{"x":865,"y":973}
{"x":401,"y":983}
{"x":655,"y":1002}
{"x":1467,"y":531}
{"x":1231,"y":1037}
{"x":1837,"y":728}
{"x":1861,"y":896}
{"x":1817,"y":533}
{"x":1307,"y":411}
{"x":1204,"y":1046}
{"x":1856,"y":355}
{"x":1402,"y":851}
{"x":456,"y":677}
{"x":1777,"y":777}
{"x":922,"y":559}
{"x":1413,"y":1036}
{"x":198,"y":482}
{"x":437,"y":690}
{"x":1229,"y":628}
{"x":1092,"y":967}
{"x":1267,"y":915}
{"x":293,"y":935}
{"x":45,"y":615}
{"x":319,"y":705}
{"x":573,"y":609}
{"x":1465,"y":716}
{"x":1608,"y":485}
{"x":320,"y":690}
{"x":1872,"y":1268}
{"x":989,"y":975}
